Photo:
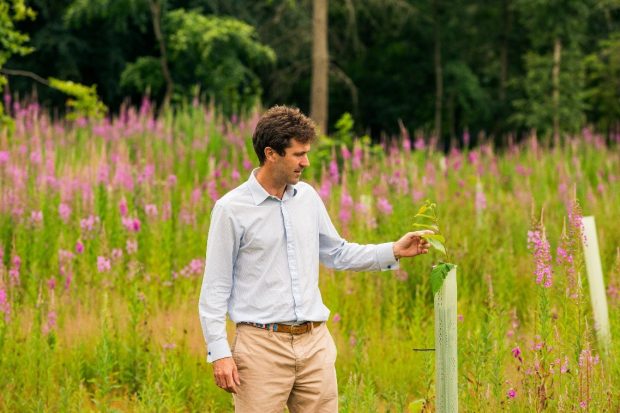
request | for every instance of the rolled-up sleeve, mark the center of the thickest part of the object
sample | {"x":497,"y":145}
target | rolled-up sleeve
{"x":337,"y":253}
{"x":222,"y":248}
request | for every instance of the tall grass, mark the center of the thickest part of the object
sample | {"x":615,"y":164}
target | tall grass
{"x":102,"y":238}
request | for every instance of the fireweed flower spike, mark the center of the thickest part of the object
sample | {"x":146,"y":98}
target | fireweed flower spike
{"x":539,"y":245}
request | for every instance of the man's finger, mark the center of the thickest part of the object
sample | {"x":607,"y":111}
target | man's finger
{"x":236,"y":376}
{"x":218,"y":382}
{"x":230,"y":384}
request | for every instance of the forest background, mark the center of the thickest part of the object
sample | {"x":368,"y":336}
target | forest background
{"x":453,"y":68}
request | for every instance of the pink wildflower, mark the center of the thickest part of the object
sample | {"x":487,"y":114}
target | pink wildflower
{"x":325,"y":190}
{"x":169,"y":346}
{"x":481,"y":199}
{"x":131,"y":246}
{"x":122,"y":207}
{"x":212,"y":190}
{"x":172,"y":180}
{"x":564,"y":367}
{"x":79,"y":247}
{"x":5,"y":306}
{"x":131,"y":224}
{"x":346,"y":202}
{"x":64,"y":211}
{"x":88,"y":224}
{"x":36,"y":217}
{"x":117,"y":253}
{"x":522,"y":170}
{"x":356,"y":162}
{"x":336,"y":318}
{"x":103,"y":264}
{"x":538,"y":243}
{"x":384,"y":206}
{"x":235,"y":175}
{"x":104,"y":174}
{"x":150,"y":210}
{"x":334,"y":175}
{"x":512,"y":393}
{"x":346,"y":153}
{"x":51,"y":322}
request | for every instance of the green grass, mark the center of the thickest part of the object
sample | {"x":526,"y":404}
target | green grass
{"x":128,"y":339}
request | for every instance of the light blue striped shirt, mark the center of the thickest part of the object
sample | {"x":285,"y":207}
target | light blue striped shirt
{"x":263,"y":256}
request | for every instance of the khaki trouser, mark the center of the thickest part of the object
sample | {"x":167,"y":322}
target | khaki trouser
{"x":278,"y":369}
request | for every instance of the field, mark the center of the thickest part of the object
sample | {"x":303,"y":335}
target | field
{"x":102,"y":239}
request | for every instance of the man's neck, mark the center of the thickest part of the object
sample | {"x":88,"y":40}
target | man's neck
{"x":266,"y":180}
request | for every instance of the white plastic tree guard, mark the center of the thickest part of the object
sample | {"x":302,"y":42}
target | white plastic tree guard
{"x":446,"y":365}
{"x":596,"y":283}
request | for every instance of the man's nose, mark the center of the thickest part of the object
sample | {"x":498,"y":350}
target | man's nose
{"x":305,"y":162}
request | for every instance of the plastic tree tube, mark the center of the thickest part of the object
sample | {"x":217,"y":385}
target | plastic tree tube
{"x":446,"y":366}
{"x":596,"y":283}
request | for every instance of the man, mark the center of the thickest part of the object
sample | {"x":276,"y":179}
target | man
{"x":265,"y":242}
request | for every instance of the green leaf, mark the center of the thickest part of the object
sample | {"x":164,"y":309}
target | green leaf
{"x":432,"y":227}
{"x":416,"y":406}
{"x":437,"y":237}
{"x":438,"y":245}
{"x":424,"y":216}
{"x":422,"y":209}
{"x":438,"y":274}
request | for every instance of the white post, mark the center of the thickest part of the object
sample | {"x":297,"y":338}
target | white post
{"x":596,"y":283}
{"x":446,"y":365}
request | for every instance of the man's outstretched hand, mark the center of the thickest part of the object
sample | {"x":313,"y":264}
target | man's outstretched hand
{"x":226,"y":375}
{"x":411,"y":244}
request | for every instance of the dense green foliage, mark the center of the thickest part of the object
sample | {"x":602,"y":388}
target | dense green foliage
{"x":496,"y":58}
{"x":12,"y":41}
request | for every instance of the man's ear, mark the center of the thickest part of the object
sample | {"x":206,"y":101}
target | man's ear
{"x":269,"y":154}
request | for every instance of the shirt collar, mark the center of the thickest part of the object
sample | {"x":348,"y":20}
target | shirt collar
{"x":259,"y":194}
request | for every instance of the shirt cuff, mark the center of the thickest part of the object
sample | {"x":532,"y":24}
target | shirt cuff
{"x":385,"y":256}
{"x":218,"y":350}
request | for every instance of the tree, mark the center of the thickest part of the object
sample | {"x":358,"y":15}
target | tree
{"x":320,"y":65}
{"x":554,"y":88}
{"x":217,"y":54}
{"x":12,"y":41}
{"x":83,"y":100}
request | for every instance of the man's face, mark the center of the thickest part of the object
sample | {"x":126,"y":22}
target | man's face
{"x":294,"y":161}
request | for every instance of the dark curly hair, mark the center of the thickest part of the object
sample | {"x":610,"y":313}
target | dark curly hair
{"x":278,"y":126}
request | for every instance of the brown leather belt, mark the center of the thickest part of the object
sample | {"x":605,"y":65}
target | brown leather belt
{"x":287,"y":328}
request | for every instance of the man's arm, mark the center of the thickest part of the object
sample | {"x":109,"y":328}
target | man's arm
{"x":222,"y":247}
{"x":335,"y":252}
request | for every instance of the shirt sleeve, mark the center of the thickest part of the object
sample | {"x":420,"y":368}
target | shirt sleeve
{"x":337,"y":253}
{"x":222,"y":248}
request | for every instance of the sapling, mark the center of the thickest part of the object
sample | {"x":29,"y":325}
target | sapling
{"x":426,"y":218}
{"x":443,"y":284}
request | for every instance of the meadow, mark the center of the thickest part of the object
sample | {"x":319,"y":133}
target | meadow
{"x":103,"y":228}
